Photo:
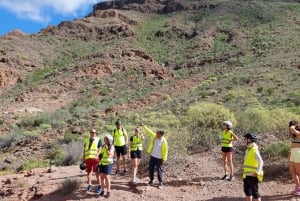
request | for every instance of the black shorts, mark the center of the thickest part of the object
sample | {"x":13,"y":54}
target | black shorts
{"x":251,"y":187}
{"x":136,"y":154}
{"x":227,"y":149}
{"x":121,"y":150}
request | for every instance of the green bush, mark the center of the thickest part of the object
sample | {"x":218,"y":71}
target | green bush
{"x":33,"y":163}
{"x":203,"y":121}
{"x":278,"y":149}
{"x":262,"y":120}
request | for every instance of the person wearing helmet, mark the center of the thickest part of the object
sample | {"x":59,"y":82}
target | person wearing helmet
{"x":105,"y":164}
{"x":227,"y":149}
{"x":294,"y":156}
{"x":120,"y":140}
{"x":92,"y":149}
{"x":253,"y":168}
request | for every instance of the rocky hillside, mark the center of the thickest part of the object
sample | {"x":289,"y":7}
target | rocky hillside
{"x":139,"y":59}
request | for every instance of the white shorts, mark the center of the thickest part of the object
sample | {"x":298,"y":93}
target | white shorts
{"x":295,"y":155}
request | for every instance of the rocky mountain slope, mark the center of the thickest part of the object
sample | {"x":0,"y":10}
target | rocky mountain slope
{"x":136,"y":57}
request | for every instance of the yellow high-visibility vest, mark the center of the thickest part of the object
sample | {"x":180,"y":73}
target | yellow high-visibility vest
{"x":91,"y":152}
{"x":136,"y":143}
{"x":105,"y":159}
{"x":251,"y":164}
{"x":226,"y":138}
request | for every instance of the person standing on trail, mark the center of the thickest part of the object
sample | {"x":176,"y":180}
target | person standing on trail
{"x":294,"y":157}
{"x":91,"y":151}
{"x":136,"y":148}
{"x":105,"y":164}
{"x":158,"y":148}
{"x":227,"y":150}
{"x":120,"y":141}
{"x":253,"y":168}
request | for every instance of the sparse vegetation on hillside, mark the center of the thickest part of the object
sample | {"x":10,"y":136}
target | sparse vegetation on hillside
{"x":110,"y":65}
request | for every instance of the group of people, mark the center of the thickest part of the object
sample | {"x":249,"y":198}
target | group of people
{"x":253,"y":163}
{"x":98,"y":157}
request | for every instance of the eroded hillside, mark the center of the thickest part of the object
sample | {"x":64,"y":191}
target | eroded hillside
{"x":131,"y":58}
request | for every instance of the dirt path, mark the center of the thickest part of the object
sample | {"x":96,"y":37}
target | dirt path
{"x":195,"y":179}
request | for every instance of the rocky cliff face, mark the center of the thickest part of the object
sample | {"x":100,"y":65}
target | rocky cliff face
{"x":152,"y":6}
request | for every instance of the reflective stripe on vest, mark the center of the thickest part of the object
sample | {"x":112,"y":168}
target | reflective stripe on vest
{"x":227,"y":138}
{"x":136,"y":143}
{"x":91,"y":152}
{"x":251,"y":164}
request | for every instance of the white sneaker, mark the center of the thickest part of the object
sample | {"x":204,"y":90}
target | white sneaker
{"x":134,"y":181}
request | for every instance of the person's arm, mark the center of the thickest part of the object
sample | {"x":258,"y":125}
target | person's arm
{"x":111,"y":151}
{"x":260,"y":162}
{"x":125,"y":136}
{"x":294,"y":130}
{"x":83,"y":157}
{"x":148,"y":131}
{"x":234,"y":136}
{"x":99,"y":148}
{"x":130,"y":142}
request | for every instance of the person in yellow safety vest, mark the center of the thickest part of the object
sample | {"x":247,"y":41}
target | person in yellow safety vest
{"x":92,"y":149}
{"x":158,"y":148}
{"x":105,"y":164}
{"x":253,"y":168}
{"x":136,"y":147}
{"x":227,"y":149}
{"x":120,"y":143}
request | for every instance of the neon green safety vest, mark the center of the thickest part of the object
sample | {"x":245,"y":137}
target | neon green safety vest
{"x":91,"y":152}
{"x":105,"y":159}
{"x":119,"y":138}
{"x":227,"y":138}
{"x":136,"y":143}
{"x":251,"y":164}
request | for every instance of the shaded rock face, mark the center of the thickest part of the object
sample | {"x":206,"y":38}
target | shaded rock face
{"x":151,"y":6}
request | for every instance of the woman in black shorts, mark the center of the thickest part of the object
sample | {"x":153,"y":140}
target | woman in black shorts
{"x":227,"y":137}
{"x":136,"y":148}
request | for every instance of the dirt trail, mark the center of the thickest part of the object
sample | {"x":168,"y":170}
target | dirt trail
{"x":194,"y":179}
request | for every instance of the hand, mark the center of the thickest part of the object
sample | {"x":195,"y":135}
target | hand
{"x":254,"y":174}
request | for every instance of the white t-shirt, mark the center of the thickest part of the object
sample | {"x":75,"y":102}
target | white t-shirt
{"x":156,"y":152}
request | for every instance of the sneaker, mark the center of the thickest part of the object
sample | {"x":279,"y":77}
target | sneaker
{"x":102,"y":193}
{"x":150,"y":183}
{"x":107,"y":195}
{"x":160,"y":186}
{"x":231,"y":177}
{"x":99,"y":190}
{"x":89,"y":188}
{"x":225,"y":177}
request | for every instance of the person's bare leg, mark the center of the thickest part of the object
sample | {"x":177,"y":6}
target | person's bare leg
{"x":124,"y":162}
{"x":229,"y":158}
{"x":224,"y":158}
{"x":249,"y":198}
{"x":134,"y":168}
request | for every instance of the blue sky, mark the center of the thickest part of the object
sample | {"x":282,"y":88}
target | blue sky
{"x":30,"y":16}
